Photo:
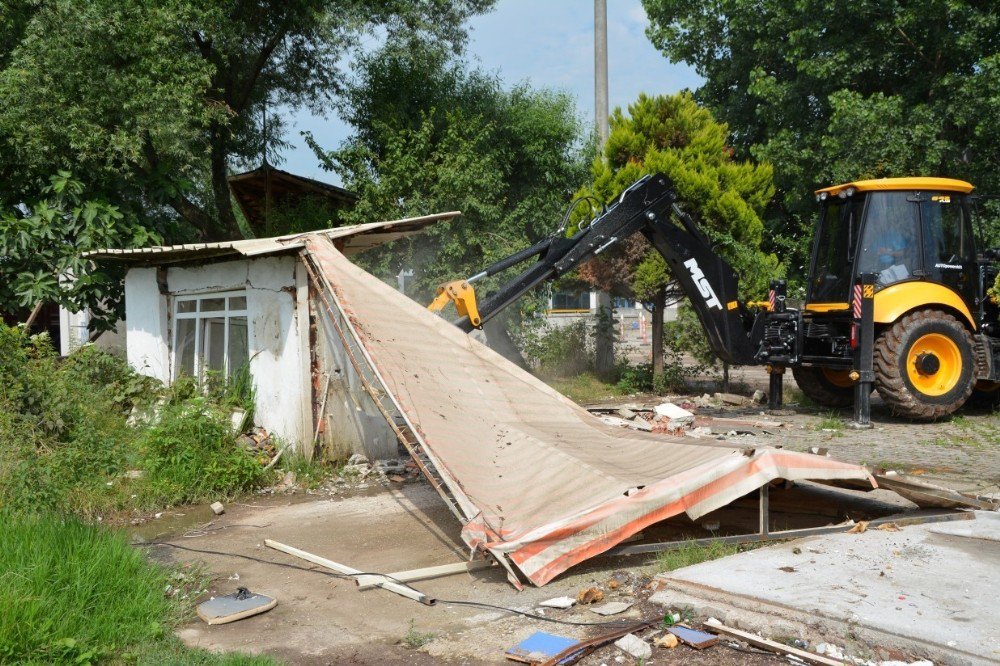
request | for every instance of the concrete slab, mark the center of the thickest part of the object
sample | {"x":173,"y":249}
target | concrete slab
{"x":915,"y":590}
{"x":986,"y":526}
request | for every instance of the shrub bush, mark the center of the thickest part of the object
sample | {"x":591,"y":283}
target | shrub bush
{"x":562,"y":351}
{"x":66,"y":443}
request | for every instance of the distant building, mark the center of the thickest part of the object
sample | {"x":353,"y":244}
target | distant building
{"x":632,"y":320}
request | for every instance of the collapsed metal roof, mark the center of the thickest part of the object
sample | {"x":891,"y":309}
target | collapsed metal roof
{"x":349,"y":240}
{"x":536,"y":480}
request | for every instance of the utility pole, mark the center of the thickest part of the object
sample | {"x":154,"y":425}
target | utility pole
{"x":601,"y":70}
{"x":604,"y":336}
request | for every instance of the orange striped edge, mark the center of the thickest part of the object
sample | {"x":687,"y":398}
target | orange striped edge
{"x":770,"y":461}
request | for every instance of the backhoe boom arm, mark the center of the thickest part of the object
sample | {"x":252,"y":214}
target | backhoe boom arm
{"x":647,"y":206}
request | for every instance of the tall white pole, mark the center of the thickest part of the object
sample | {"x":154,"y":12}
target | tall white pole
{"x":601,"y":70}
{"x":604,"y":343}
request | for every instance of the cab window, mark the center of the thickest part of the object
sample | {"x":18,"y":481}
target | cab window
{"x":831,"y":274}
{"x":947,"y":232}
{"x":891,"y":245}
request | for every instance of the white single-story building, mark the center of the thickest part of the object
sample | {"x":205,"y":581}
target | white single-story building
{"x":211,"y":307}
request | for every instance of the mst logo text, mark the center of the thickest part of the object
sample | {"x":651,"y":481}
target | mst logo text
{"x":703,"y":286}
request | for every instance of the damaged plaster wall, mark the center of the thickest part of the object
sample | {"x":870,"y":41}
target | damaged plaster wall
{"x":351,"y":421}
{"x":277,"y":313}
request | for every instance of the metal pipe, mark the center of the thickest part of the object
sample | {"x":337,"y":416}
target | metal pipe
{"x":402,"y":590}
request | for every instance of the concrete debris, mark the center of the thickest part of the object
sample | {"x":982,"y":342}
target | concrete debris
{"x":634,"y":646}
{"x":706,"y":400}
{"x":668,"y":641}
{"x":731,"y":398}
{"x":830,"y":650}
{"x":590,"y":595}
{"x":637,"y":424}
{"x":611,"y":608}
{"x":661,"y":598}
{"x":677,"y":417}
{"x":358,"y":459}
{"x":626,"y":413}
{"x":699,"y":432}
{"x":558,"y":602}
{"x":388,"y":467}
{"x":218,"y":508}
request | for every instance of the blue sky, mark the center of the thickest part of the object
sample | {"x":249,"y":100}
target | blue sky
{"x":546,"y":42}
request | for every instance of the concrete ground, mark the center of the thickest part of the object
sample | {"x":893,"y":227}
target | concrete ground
{"x":929,"y":589}
{"x":323,"y":620}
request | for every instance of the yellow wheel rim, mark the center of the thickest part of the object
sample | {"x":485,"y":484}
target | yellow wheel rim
{"x":934,"y":364}
{"x":839,"y":378}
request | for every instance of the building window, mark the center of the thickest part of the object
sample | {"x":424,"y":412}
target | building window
{"x":210,"y":334}
{"x":570,"y":301}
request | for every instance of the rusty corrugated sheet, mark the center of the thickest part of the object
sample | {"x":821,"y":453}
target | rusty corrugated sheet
{"x":546,"y":485}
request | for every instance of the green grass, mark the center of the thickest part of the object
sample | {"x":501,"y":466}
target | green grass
{"x":690,"y":554}
{"x":76,"y":593}
{"x":414,"y":639}
{"x":832,"y":422}
{"x":309,"y":473}
{"x":585,"y":388}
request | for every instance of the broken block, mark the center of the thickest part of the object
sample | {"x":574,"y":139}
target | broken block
{"x":677,"y":417}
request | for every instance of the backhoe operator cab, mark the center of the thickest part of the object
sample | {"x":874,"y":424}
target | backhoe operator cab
{"x":916,"y":236}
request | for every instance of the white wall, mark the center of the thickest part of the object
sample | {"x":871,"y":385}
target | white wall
{"x":73,"y":333}
{"x":146,"y":324}
{"x":277,"y":310}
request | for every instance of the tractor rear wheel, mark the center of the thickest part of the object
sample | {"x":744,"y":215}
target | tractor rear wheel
{"x":924,"y":365}
{"x":825,"y":386}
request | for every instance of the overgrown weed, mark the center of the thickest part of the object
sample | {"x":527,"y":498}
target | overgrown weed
{"x":87,"y":435}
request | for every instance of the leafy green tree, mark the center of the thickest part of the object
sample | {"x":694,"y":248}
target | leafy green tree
{"x":835,"y":90}
{"x":41,"y":246}
{"x":433,"y":135}
{"x":675,"y":136}
{"x":154,"y":102}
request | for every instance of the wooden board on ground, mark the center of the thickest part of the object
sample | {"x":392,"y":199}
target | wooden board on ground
{"x":773,"y":646}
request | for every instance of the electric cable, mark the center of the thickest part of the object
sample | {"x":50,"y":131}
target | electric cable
{"x":333,"y":574}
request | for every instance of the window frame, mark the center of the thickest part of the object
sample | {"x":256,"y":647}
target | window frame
{"x":226,"y":313}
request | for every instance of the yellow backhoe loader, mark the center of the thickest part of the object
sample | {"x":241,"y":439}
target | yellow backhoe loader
{"x":896,"y":299}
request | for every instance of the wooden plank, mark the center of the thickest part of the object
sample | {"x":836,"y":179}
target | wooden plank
{"x":426,"y":573}
{"x":402,"y":590}
{"x":773,"y":646}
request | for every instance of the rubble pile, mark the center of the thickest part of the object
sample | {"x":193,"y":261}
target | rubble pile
{"x":694,"y":416}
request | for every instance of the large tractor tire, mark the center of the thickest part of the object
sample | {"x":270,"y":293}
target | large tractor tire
{"x":825,"y":386}
{"x":924,"y":365}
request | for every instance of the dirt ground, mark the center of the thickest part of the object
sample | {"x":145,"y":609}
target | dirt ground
{"x":961,"y":452}
{"x":387,"y":527}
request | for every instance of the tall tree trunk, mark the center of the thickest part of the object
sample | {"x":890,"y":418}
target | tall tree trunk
{"x":226,"y":229}
{"x":32,"y":317}
{"x":604,"y":337}
{"x":659,"y":304}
